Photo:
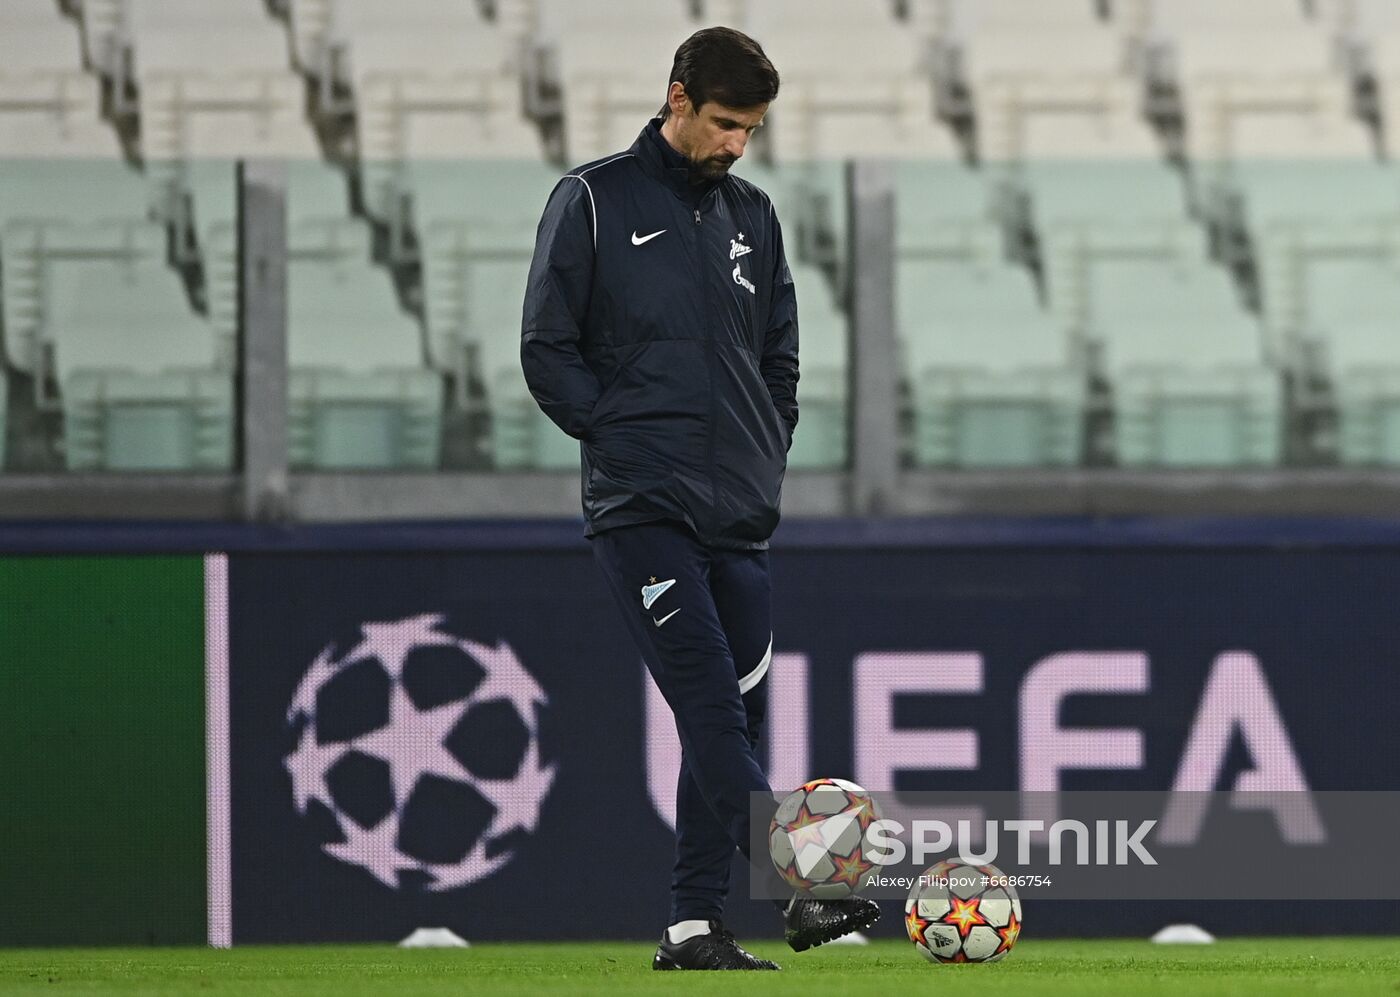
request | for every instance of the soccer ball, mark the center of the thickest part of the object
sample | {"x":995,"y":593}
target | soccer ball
{"x":963,"y":913}
{"x":416,"y":754}
{"x":817,"y":838}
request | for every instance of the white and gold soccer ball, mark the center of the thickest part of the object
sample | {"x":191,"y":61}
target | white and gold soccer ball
{"x":963,"y":913}
{"x":817,"y":838}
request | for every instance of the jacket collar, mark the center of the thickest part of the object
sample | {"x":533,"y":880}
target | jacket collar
{"x":664,"y":163}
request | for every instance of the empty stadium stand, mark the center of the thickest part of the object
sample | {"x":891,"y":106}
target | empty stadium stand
{"x":1191,"y":385}
{"x":213,"y":81}
{"x":867,"y":91}
{"x":1357,"y":300}
{"x":1045,"y":79}
{"x":361,"y":395}
{"x":1291,"y":216}
{"x":428,"y":79}
{"x":134,"y":365}
{"x":1177,"y":216}
{"x":604,"y":93}
{"x":992,"y":379}
{"x":476,"y":224}
{"x":49,"y":106}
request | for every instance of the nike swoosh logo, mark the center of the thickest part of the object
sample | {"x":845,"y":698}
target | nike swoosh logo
{"x":637,"y":240}
{"x":664,"y":618}
{"x":650,"y":593}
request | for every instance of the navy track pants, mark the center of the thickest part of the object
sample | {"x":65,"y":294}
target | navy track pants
{"x":702,"y":619}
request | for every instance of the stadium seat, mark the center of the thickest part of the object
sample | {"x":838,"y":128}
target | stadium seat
{"x":522,"y":436}
{"x":1186,"y":364}
{"x":173,"y":421}
{"x":221,"y":38}
{"x":1357,"y":20}
{"x":1082,"y":209}
{"x":1301,"y":214}
{"x":134,"y":363}
{"x":1089,"y":51}
{"x":1385,"y":65}
{"x":314,"y":24}
{"x":214,"y":82}
{"x":476,"y":224}
{"x":63,"y":196}
{"x":1228,"y":52}
{"x":930,"y":195}
{"x":612,"y":60}
{"x":49,"y":107}
{"x":360,"y":396}
{"x":1050,"y":90}
{"x":1241,"y":99}
{"x":430,"y":78}
{"x":1019,"y":16}
{"x":1108,"y":191}
{"x":1030,"y":119}
{"x":381,"y":420}
{"x":1355,"y":303}
{"x":316,"y":194}
{"x":606,"y":99}
{"x":867,"y":92}
{"x":206,"y":199}
{"x":991,"y":377}
{"x":471,"y":214}
{"x":360,"y":393}
{"x":71,"y":190}
{"x":820,"y":442}
{"x":767,"y":19}
{"x":170,"y":421}
{"x":1171,"y":17}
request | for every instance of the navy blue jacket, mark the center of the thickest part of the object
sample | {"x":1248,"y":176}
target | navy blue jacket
{"x":660,"y":329}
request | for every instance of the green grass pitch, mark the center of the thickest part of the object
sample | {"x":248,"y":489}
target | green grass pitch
{"x":1272,"y":967}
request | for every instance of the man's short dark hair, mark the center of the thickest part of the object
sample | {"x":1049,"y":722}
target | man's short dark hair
{"x":723,"y":65}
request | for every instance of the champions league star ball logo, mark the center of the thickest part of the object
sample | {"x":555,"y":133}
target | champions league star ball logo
{"x":423,"y":748}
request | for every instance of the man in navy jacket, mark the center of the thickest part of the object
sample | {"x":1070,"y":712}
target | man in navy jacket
{"x":660,"y":330}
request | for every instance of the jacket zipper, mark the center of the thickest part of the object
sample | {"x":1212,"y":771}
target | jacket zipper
{"x":710,"y":361}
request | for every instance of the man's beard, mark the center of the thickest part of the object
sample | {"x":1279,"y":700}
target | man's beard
{"x":713,"y":168}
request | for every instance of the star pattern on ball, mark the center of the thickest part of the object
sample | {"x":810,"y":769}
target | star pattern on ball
{"x":851,"y":869}
{"x":917,"y":926}
{"x":805,"y":830}
{"x":964,"y":915}
{"x":794,"y":878}
{"x":1008,"y":934}
{"x":866,"y":816}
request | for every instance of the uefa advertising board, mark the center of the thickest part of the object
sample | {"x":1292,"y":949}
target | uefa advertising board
{"x":467,"y":739}
{"x":451,"y":728}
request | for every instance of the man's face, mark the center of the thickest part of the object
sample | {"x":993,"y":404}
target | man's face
{"x":713,"y":137}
